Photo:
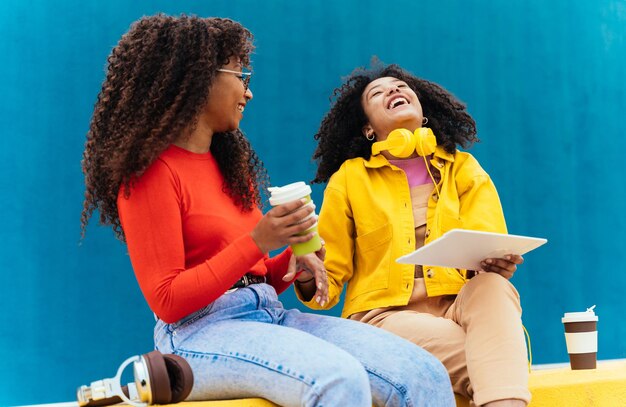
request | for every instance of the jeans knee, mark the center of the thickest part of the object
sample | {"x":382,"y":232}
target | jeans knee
{"x":346,"y":382}
{"x":422,"y":381}
{"x":439,"y":374}
{"x":433,"y":388}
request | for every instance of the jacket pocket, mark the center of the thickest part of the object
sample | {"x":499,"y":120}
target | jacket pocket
{"x":373,"y":239}
{"x":372,"y":261}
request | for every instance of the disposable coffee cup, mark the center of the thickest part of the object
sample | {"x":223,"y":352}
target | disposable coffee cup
{"x":581,"y":338}
{"x":294,"y":192}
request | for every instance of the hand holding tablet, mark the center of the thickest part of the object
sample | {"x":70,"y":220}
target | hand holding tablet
{"x":465,"y":249}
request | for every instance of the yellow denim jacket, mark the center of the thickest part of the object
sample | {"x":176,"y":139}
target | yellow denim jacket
{"x":367,"y":222}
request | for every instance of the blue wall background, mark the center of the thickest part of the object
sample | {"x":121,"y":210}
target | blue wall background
{"x":545,"y":82}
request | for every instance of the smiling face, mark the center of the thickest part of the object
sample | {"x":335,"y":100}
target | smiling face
{"x":227,"y":100}
{"x":389,"y":104}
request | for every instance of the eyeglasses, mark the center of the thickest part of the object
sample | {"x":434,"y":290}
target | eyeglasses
{"x":244,"y":75}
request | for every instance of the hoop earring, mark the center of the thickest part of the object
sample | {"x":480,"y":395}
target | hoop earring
{"x":370,"y":136}
{"x":424,"y":120}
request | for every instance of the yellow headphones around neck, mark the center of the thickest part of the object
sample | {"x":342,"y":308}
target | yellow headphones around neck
{"x":402,"y":143}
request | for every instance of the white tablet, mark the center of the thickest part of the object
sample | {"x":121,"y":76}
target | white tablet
{"x":465,"y":249}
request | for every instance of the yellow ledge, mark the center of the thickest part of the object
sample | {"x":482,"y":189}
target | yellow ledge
{"x":227,"y":403}
{"x":561,"y":386}
{"x":551,"y":386}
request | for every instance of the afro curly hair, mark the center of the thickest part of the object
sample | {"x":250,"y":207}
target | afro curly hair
{"x":340,"y":134}
{"x":157,"y":81}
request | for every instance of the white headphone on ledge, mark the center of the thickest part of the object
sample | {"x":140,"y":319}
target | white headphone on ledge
{"x":159,"y":379}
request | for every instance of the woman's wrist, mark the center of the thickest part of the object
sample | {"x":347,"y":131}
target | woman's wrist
{"x":306,"y":288}
{"x":305,"y":281}
{"x":255,"y":239}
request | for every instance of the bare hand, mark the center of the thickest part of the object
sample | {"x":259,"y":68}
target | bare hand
{"x":312,"y":270}
{"x":281,"y":224}
{"x":505,"y":266}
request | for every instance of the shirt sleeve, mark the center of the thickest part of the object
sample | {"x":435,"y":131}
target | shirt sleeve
{"x":336,"y":227}
{"x":277,"y":268}
{"x":152,"y":224}
{"x":480,"y":207}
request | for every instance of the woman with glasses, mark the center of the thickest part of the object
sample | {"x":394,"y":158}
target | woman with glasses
{"x":390,"y":192}
{"x":168,"y":168}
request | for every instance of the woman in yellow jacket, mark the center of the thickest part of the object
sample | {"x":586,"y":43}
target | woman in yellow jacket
{"x":391,"y":192}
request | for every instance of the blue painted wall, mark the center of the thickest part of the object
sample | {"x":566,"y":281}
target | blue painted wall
{"x":544,"y":80}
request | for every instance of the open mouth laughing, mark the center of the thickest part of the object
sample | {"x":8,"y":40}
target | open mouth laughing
{"x":397,"y":101}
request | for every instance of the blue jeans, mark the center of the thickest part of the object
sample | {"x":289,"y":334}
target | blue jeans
{"x":245,"y":344}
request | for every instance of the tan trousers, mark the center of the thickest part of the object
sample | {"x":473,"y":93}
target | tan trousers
{"x":476,"y":334}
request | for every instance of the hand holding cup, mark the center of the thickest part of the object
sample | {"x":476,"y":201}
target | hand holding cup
{"x":284,"y":224}
{"x":299,"y":191}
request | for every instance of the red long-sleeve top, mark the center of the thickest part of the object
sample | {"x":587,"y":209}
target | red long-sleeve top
{"x":188,"y":242}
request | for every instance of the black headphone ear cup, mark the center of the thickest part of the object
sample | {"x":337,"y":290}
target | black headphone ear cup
{"x":180,"y":375}
{"x":159,"y":378}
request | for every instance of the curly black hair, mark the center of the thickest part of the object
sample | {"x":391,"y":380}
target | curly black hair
{"x":157,"y":81}
{"x":340,"y":135}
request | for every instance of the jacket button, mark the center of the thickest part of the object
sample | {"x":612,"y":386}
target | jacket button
{"x":435,"y":197}
{"x":430,"y":273}
{"x":427,"y":233}
{"x":440,"y":164}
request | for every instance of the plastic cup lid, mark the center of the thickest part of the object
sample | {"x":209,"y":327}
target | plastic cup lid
{"x":288,"y":193}
{"x":587,"y":316}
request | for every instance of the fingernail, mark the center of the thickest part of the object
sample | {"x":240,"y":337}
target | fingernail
{"x":489,"y":261}
{"x":319,"y":285}
{"x":507,"y":257}
{"x":303,"y":200}
{"x":323,"y":303}
{"x":319,"y":300}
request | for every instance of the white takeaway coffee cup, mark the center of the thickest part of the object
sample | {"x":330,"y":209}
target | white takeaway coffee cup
{"x":290,"y":193}
{"x":581,"y":338}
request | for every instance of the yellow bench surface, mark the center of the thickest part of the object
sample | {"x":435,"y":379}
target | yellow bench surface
{"x":227,"y":403}
{"x":550,"y":387}
{"x":555,"y":387}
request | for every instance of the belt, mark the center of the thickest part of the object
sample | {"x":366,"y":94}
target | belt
{"x":248,"y":279}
